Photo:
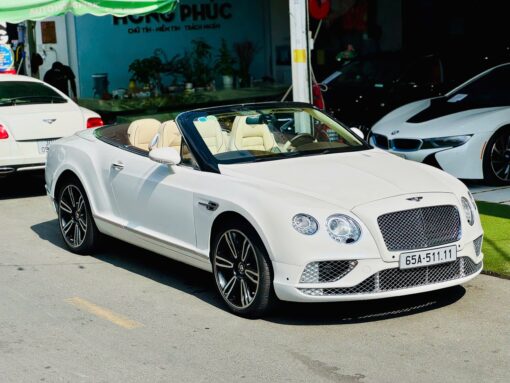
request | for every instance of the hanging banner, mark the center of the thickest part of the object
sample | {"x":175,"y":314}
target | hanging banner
{"x":15,"y":11}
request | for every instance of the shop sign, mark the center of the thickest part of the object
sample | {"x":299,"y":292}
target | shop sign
{"x":190,"y":17}
{"x":6,"y":58}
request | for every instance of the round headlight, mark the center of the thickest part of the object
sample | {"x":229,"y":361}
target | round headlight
{"x":468,"y":211}
{"x":305,"y":224}
{"x":343,"y":229}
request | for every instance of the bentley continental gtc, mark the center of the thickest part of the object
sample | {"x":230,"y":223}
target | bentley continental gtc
{"x":278,"y":200}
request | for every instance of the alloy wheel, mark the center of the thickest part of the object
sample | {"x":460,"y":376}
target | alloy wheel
{"x":500,"y":157}
{"x":236,"y":269}
{"x":73,"y":216}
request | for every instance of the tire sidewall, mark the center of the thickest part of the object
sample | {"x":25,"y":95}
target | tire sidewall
{"x":91,"y":233}
{"x":265,"y":295}
{"x":489,"y":175}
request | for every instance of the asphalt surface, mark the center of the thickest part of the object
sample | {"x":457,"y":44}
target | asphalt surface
{"x":127,"y":315}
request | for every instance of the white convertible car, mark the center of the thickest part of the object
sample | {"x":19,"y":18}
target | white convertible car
{"x":33,"y":114}
{"x":466,"y":132}
{"x":278,"y":200}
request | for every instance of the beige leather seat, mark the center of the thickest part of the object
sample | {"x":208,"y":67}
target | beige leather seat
{"x":141,"y":132}
{"x":169,"y":136}
{"x":211,"y":133}
{"x":251,"y":137}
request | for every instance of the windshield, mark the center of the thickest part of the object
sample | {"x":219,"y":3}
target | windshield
{"x":492,"y":89}
{"x":27,"y":92}
{"x":377,"y":70}
{"x":251,"y":134}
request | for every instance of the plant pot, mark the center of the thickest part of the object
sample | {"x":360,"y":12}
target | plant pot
{"x":228,"y":82}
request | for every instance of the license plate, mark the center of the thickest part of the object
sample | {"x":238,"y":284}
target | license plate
{"x":428,"y":257}
{"x":44,"y":146}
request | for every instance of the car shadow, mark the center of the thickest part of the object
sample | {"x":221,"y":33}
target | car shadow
{"x":22,"y":185}
{"x":200,"y":284}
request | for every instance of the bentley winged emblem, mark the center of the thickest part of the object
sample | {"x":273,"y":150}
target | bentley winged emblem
{"x":49,"y":120}
{"x":395,"y":132}
{"x":415,"y":199}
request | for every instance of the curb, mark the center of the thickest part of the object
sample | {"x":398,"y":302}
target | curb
{"x":497,"y":275}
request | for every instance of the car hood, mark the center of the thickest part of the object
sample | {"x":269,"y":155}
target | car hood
{"x":400,"y":123}
{"x":343,"y":179}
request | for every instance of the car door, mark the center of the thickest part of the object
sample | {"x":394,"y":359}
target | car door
{"x":152,"y":199}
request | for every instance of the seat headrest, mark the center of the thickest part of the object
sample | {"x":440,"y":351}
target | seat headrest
{"x":169,"y":135}
{"x":141,"y":132}
{"x":210,"y":130}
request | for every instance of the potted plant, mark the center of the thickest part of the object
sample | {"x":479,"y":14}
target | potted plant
{"x":246,"y":53}
{"x":225,"y":65}
{"x":201,"y":67}
{"x":146,"y":70}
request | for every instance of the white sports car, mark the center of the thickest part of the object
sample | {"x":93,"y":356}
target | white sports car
{"x":466,"y":132}
{"x":278,"y":200}
{"x":33,"y":114}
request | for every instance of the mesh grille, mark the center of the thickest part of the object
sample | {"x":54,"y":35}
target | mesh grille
{"x":326,"y":271}
{"x":420,"y":228}
{"x":477,"y":243}
{"x":396,"y":279}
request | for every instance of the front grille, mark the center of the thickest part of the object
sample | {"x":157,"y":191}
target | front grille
{"x":477,"y":243}
{"x":420,"y":228}
{"x":397,"y":279}
{"x":381,"y":141}
{"x":405,"y":144}
{"x":326,"y":271}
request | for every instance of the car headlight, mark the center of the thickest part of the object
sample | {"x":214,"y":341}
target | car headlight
{"x":305,"y":224}
{"x":343,"y":229}
{"x":468,"y":211}
{"x":445,"y":142}
{"x":472,"y":199}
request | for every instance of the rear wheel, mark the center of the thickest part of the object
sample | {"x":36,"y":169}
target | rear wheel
{"x":76,"y":224}
{"x":497,"y":158}
{"x":242,"y":270}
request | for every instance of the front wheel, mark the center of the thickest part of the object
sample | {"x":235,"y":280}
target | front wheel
{"x":77,"y":226}
{"x":242,"y":270}
{"x":496,"y":161}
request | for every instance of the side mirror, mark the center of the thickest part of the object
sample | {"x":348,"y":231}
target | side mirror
{"x":166,"y":156}
{"x":358,"y":132}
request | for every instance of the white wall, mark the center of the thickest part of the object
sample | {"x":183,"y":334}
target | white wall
{"x":52,"y":52}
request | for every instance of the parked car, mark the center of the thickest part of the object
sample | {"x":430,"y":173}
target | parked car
{"x":275,"y":208}
{"x":466,"y":132}
{"x":367,"y":88}
{"x":33,"y":115}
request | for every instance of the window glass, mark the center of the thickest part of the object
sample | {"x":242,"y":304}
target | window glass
{"x":253,"y":135}
{"x":492,"y":89}
{"x":27,"y":92}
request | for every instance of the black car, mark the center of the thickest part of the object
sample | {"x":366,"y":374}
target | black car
{"x":363,"y":90}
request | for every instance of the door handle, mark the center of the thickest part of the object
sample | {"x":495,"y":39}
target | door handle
{"x":211,"y":206}
{"x":118,"y":165}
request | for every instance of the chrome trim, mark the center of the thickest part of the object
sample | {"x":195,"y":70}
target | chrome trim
{"x":172,"y":246}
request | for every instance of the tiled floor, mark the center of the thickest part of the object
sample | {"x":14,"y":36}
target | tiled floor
{"x":499,"y":194}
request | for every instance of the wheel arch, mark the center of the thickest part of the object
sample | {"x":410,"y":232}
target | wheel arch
{"x":232,"y":216}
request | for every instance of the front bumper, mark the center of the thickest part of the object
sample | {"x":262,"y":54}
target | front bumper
{"x":375,"y":278}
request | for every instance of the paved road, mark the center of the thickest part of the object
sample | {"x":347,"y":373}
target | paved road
{"x":126,"y":315}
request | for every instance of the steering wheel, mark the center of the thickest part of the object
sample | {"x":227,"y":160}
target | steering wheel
{"x":299,"y":140}
{"x":286,"y":125}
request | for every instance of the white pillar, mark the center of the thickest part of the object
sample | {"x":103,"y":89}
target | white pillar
{"x":299,"y":44}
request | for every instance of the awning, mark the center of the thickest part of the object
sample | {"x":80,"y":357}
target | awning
{"x":15,"y":11}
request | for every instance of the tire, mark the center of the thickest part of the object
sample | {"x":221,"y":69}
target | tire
{"x":496,"y":159}
{"x":76,"y":223}
{"x":242,"y":270}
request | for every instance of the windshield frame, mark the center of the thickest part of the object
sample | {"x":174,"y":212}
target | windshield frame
{"x":208,"y":162}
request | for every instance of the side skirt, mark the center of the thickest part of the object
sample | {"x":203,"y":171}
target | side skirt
{"x":152,"y":243}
